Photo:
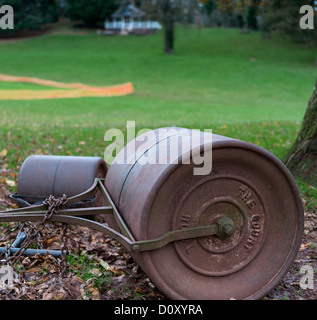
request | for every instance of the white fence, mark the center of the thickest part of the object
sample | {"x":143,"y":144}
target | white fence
{"x":132,"y":25}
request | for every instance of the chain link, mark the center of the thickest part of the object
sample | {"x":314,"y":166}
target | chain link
{"x":53,"y":205}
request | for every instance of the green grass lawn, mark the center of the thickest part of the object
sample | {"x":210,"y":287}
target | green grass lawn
{"x":7,"y":85}
{"x":242,"y":86}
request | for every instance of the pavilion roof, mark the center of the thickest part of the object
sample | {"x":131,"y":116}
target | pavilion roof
{"x":128,"y":11}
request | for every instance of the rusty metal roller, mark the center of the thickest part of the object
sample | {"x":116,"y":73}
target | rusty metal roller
{"x":247,"y":184}
{"x":41,"y":176}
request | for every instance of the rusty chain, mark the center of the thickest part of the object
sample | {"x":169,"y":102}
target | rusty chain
{"x":53,"y":205}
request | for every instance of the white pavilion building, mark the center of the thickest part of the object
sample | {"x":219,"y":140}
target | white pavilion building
{"x":130,"y":19}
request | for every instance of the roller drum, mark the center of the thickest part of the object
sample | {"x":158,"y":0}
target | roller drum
{"x":247,"y":184}
{"x":41,"y":176}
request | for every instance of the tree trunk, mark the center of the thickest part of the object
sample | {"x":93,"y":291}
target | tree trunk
{"x":168,"y":25}
{"x":169,"y":36}
{"x":302,"y":158}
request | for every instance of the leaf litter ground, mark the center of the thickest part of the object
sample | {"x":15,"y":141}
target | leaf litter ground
{"x":98,"y":268}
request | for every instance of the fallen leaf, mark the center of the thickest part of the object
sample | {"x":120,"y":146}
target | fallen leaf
{"x":95,"y":272}
{"x":49,"y":241}
{"x":12,"y":174}
{"x":10,"y":183}
{"x":54,"y":246}
{"x":3,"y":153}
{"x":54,"y":294}
{"x":115,"y":271}
{"x":26,"y":261}
{"x":304,"y":246}
{"x":94,"y":292}
{"x":77,"y":281}
{"x":35,"y":269}
{"x":104,"y":264}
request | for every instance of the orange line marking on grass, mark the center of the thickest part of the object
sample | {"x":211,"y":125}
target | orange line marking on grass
{"x":76,"y":90}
